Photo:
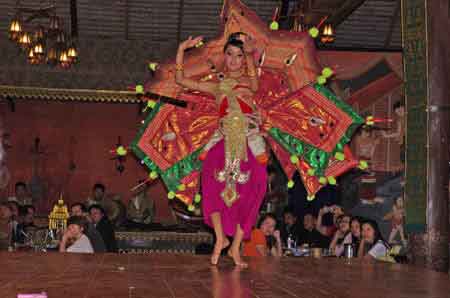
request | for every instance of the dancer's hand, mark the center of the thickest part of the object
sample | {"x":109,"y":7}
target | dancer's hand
{"x":189,"y":43}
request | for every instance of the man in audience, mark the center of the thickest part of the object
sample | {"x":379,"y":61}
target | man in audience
{"x":74,"y":240}
{"x":310,"y":235}
{"x":26,"y":225}
{"x":98,"y":195}
{"x":21,"y":195}
{"x":291,"y":227}
{"x":78,"y":209}
{"x":141,"y":209}
{"x":104,"y":226}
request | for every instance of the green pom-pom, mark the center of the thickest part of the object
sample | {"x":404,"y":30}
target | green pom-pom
{"x":153,"y":175}
{"x":191,"y":208}
{"x":331,"y":180}
{"x":339,"y":156}
{"x":152,"y":66}
{"x":171,"y":195}
{"x":311,"y":172}
{"x":121,"y":151}
{"x":274,"y":25}
{"x":151,"y":104}
{"x":181,"y":187}
{"x":197,"y":198}
{"x":310,"y":198}
{"x":327,"y":72}
{"x":323,"y":180}
{"x":363,"y":165}
{"x":139,"y":89}
{"x":313,"y":32}
{"x":294,"y":159}
{"x":290,"y":184}
{"x":321,"y":80}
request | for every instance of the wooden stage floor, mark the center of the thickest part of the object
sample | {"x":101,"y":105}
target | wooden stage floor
{"x":184,"y":276}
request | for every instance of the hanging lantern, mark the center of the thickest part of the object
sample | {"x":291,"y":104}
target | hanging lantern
{"x":38,"y":49}
{"x":63,"y":59}
{"x":25,"y":40}
{"x":72,"y":53}
{"x":54,"y":23}
{"x":61,"y":38}
{"x":39,"y":34}
{"x":327,"y":35}
{"x":15,"y":29}
{"x":32,"y":58}
{"x":51,"y":56}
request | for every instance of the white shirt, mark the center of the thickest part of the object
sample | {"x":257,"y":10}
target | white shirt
{"x":82,"y":245}
{"x":378,"y":250}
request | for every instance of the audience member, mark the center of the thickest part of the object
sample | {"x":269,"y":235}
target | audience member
{"x":354,"y":238}
{"x":98,"y":195}
{"x":265,"y":240}
{"x":21,"y":195}
{"x":104,"y":226}
{"x":26,"y":226}
{"x":337,"y":244}
{"x":74,"y":240}
{"x":290,"y":227}
{"x":310,"y":235}
{"x":372,"y":244}
{"x":329,"y":231}
{"x":141,"y":209}
{"x":110,"y":207}
{"x":78,"y":209}
{"x":5,"y":226}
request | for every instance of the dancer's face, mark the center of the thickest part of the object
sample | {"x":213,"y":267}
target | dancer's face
{"x":234,"y":58}
{"x":268,"y":226}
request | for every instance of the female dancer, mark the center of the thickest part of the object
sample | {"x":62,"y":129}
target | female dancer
{"x":233,"y":177}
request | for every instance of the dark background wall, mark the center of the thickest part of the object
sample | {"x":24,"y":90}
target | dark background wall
{"x":82,"y":133}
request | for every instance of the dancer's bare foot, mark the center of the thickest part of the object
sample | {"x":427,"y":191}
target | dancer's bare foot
{"x":236,"y":256}
{"x":218,"y":247}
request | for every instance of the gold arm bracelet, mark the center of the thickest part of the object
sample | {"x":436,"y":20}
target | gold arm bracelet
{"x":179,"y":67}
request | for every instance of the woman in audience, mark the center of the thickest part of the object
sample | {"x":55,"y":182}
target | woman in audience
{"x":337,"y":244}
{"x":265,"y":240}
{"x":74,"y":239}
{"x":372,"y":244}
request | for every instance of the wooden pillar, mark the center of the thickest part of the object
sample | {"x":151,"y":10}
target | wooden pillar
{"x":426,"y":64}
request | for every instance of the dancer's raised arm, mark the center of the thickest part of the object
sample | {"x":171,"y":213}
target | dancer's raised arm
{"x":180,"y":79}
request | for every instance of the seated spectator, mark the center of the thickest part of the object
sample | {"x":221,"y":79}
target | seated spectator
{"x":329,"y":231}
{"x":21,"y":195}
{"x":141,"y":209}
{"x":104,"y":226}
{"x":372,"y":245}
{"x":337,"y":244}
{"x":15,"y":218}
{"x":26,"y":226}
{"x":111,"y":208}
{"x":310,"y":235}
{"x":290,"y":227}
{"x":265,"y":240}
{"x":5,"y":226}
{"x":78,"y":209}
{"x":74,"y":240}
{"x":354,"y":237}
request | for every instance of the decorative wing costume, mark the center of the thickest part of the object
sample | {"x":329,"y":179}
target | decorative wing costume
{"x":304,"y":123}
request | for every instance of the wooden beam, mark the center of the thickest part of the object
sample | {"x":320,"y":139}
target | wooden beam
{"x":73,"y":19}
{"x":180,"y":20}
{"x":393,"y":22}
{"x":346,"y":10}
